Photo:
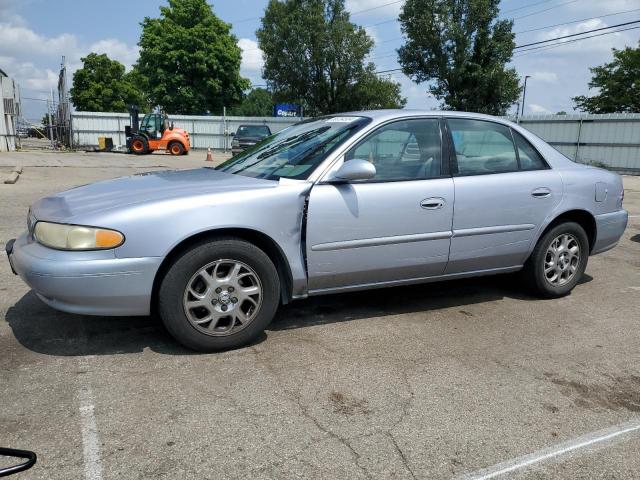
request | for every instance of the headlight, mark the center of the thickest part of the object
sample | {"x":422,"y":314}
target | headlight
{"x":235,"y":142}
{"x":76,"y":237}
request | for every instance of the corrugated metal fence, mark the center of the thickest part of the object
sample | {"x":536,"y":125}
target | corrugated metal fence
{"x":204,"y":131}
{"x":613,"y":140}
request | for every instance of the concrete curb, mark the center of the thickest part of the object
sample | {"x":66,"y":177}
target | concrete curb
{"x":12,"y":178}
{"x":17,"y":169}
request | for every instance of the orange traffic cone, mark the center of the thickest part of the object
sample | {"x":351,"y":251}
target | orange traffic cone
{"x":209,"y":155}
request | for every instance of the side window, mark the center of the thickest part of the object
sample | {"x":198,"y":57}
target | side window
{"x":482,"y":147}
{"x":530,"y":159}
{"x":404,"y":150}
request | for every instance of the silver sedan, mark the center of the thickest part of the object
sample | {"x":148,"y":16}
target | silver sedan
{"x":345,"y":202}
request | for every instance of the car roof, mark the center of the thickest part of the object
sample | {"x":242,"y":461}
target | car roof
{"x":388,"y":114}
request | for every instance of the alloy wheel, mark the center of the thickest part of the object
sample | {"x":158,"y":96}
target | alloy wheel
{"x":562,"y":259}
{"x":223,"y":297}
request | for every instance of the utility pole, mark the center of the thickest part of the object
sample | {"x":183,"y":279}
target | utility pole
{"x":49,"y":107}
{"x":224,"y":127}
{"x":524,"y":91}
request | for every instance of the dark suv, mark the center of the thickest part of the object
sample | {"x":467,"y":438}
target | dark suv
{"x":247,"y":136}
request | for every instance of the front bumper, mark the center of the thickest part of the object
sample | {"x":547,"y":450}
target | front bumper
{"x":89,"y":283}
{"x":609,"y":228}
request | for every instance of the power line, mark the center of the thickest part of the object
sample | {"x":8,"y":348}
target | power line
{"x":375,"y":8}
{"x":527,"y":6}
{"x":576,"y":21}
{"x":545,"y":26}
{"x":556,"y":39}
{"x":578,"y":34}
{"x":514,"y":18}
{"x":352,"y":13}
{"x":559,"y":44}
{"x":545,"y":10}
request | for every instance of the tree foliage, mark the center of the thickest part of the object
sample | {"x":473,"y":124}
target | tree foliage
{"x":102,"y":85}
{"x":461,"y":49}
{"x":618,"y":83}
{"x":258,"y":103}
{"x":315,"y":56}
{"x":191,"y":59}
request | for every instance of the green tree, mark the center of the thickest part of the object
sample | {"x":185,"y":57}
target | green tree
{"x":102,"y":85}
{"x":258,"y":103}
{"x":618,"y":83}
{"x":373,"y":92}
{"x":191,"y":59}
{"x":461,"y":49}
{"x":315,"y":56}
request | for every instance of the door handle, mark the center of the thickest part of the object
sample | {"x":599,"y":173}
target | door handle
{"x":432,"y":203}
{"x":542,"y":192}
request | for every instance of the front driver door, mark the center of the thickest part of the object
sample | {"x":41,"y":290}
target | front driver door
{"x":394,"y":227}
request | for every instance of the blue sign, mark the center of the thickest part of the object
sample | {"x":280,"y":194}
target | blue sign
{"x":286,"y":110}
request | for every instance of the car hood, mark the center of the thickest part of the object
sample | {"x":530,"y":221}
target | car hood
{"x":141,"y":188}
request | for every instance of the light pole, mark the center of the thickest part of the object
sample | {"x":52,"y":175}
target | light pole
{"x":524,"y":92}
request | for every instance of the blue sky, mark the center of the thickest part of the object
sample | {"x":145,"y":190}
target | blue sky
{"x":35,"y":33}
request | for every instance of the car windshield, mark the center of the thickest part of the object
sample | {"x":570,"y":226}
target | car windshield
{"x":295,"y":151}
{"x":253,"y":131}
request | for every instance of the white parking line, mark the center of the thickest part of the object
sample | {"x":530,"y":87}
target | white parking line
{"x":606,"y":435}
{"x":90,"y":444}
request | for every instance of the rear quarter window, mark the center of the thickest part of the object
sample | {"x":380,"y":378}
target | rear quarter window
{"x":482,"y":147}
{"x":530,"y":159}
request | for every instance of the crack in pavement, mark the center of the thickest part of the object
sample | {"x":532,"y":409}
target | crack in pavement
{"x":305,"y":412}
{"x":403,"y":457}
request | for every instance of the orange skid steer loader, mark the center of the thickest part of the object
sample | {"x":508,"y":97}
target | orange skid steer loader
{"x":155,"y":133}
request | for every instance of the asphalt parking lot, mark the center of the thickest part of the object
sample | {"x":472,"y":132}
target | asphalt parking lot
{"x":461,"y":379}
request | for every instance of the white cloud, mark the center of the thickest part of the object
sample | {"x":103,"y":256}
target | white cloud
{"x":548,"y":77}
{"x":588,"y":47}
{"x":252,"y":60}
{"x":535,"y":108}
{"x":373,"y":33}
{"x":115,"y":49}
{"x":18,"y":42}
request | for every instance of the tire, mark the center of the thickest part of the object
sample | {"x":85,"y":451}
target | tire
{"x":176,"y":148}
{"x":554,"y":268}
{"x":245,"y":316}
{"x":139,"y":145}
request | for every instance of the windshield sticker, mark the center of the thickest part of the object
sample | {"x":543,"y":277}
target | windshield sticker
{"x":342,"y":119}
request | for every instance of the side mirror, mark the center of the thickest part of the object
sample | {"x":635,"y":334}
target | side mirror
{"x":233,"y":134}
{"x":355,"y":169}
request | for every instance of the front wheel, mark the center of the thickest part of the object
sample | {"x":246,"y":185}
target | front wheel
{"x":219,"y":295}
{"x":558,"y":260}
{"x":139,"y":145}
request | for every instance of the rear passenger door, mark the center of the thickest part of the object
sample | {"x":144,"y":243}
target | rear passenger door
{"x":504,"y":190}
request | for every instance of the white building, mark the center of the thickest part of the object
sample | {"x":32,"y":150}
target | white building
{"x":9,"y":111}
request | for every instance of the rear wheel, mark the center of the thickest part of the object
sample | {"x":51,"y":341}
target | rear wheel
{"x":176,"y":148}
{"x":558,"y":260}
{"x":219,"y":295}
{"x":139,"y":145}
